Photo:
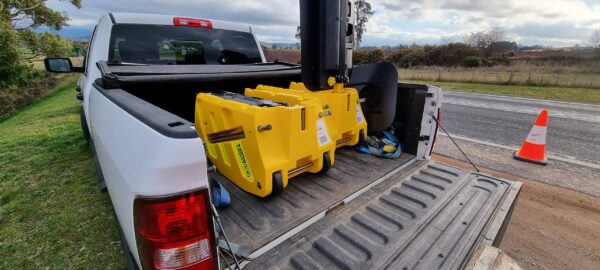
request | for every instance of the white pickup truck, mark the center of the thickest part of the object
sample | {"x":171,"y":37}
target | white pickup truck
{"x":138,"y":88}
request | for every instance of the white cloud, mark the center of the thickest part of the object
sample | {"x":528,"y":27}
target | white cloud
{"x":548,"y":22}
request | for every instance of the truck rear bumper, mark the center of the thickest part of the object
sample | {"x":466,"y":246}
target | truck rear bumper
{"x":434,"y":218}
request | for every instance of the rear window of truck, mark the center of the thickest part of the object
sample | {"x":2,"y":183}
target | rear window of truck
{"x":180,"y":45}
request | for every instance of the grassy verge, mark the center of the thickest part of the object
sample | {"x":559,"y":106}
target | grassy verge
{"x":531,"y":76}
{"x":51,"y":212}
{"x":542,"y":92}
{"x":15,"y":98}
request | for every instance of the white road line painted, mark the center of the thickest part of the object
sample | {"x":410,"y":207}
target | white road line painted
{"x":512,"y":148}
{"x":513,"y":98}
{"x":535,"y":110}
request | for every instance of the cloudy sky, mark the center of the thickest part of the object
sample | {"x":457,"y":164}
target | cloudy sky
{"x":555,"y":23}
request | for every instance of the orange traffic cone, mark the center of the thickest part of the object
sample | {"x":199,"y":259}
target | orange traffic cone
{"x":534,"y":147}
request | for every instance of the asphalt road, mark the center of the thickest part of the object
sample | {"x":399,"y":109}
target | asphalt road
{"x":490,"y":128}
{"x":573,"y":128}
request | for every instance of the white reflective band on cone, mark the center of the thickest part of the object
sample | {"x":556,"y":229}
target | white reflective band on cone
{"x":537,"y":135}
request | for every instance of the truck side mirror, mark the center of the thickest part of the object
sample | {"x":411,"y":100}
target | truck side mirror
{"x":60,"y":65}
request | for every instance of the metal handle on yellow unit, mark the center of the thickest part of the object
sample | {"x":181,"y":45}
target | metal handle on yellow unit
{"x":325,"y":113}
{"x":227,"y":135}
{"x":266,"y":127}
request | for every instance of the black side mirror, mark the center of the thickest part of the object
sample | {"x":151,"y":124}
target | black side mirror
{"x":60,"y":65}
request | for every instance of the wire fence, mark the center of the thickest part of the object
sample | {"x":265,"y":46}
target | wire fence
{"x":534,"y":78}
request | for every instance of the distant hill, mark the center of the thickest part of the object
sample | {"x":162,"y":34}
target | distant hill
{"x":283,"y":55}
{"x":280,"y":45}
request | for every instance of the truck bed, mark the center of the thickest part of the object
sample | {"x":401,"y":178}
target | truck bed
{"x":372,"y":213}
{"x":252,"y":222}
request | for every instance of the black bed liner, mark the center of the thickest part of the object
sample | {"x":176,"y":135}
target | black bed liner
{"x":433,"y":219}
{"x":252,"y":222}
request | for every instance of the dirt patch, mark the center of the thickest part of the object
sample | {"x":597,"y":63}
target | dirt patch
{"x":551,"y":227}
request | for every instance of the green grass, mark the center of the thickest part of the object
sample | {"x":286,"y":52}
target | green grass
{"x":503,"y":76}
{"x":52,"y":214}
{"x":542,"y":92}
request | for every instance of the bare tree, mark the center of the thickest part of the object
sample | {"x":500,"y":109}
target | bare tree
{"x":595,"y":39}
{"x":363,"y":13}
{"x":297,"y":35}
{"x":444,"y":40}
{"x":484,"y":41}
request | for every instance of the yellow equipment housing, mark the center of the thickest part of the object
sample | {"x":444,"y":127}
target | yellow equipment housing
{"x":346,"y":121}
{"x":260,"y":147}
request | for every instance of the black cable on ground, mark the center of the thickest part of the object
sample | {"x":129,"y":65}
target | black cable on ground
{"x":218,"y":220}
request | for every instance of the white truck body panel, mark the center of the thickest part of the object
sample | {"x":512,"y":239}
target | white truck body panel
{"x":142,"y":163}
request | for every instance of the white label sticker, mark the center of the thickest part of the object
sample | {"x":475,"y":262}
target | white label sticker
{"x":359,"y":115}
{"x":322,"y":133}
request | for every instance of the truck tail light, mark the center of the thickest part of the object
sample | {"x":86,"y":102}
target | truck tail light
{"x":177,"y":21}
{"x":175,"y":232}
{"x":437,"y":127}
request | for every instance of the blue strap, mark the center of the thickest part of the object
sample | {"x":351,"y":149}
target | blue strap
{"x":379,"y":151}
{"x":220,"y":196}
{"x":390,"y":137}
{"x":364,"y":149}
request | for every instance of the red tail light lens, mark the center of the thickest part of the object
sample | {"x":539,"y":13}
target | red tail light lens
{"x":175,"y":232}
{"x":437,"y":127}
{"x":192,"y":22}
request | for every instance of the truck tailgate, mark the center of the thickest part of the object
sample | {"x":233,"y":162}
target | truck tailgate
{"x":434,"y":218}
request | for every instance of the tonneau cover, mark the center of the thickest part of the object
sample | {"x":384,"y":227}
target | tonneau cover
{"x":115,"y":76}
{"x":135,"y":69}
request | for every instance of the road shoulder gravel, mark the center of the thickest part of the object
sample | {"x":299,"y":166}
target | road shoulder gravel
{"x":551,"y":227}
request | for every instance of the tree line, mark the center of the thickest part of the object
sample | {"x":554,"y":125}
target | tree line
{"x":20,"y":43}
{"x":484,"y":48}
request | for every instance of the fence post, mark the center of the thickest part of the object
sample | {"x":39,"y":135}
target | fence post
{"x":439,"y":78}
{"x":529,"y":78}
{"x":574,"y":79}
{"x":511,"y":76}
{"x":592,"y":80}
{"x":557,"y":77}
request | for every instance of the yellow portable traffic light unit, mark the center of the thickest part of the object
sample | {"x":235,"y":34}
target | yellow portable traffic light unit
{"x":345,"y":120}
{"x":259,"y":144}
